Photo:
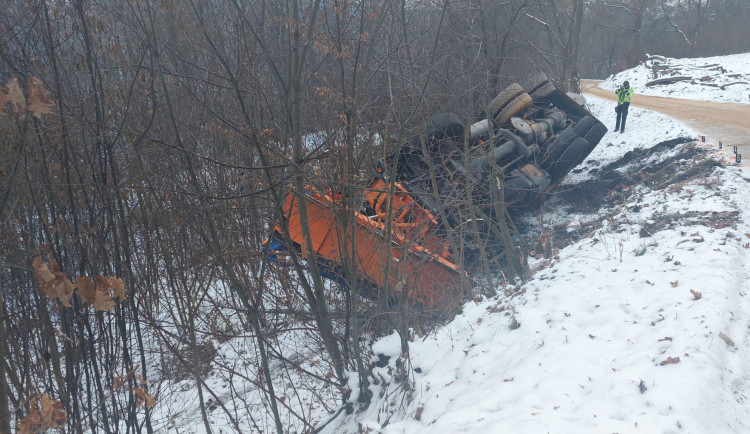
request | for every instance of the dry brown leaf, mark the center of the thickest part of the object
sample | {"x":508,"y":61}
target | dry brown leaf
{"x":119,"y":381}
{"x":102,"y":301}
{"x":143,"y":397}
{"x":726,"y":339}
{"x":85,"y":289}
{"x":118,"y":286}
{"x":43,"y":277}
{"x":41,"y":270}
{"x":15,"y":96}
{"x":30,"y":424}
{"x":696,"y":294}
{"x":140,"y":378}
{"x":670,"y":360}
{"x":53,"y":415}
{"x":102,"y":283}
{"x":53,"y":266}
{"x":40,"y":100}
{"x":64,"y":289}
{"x":674,"y":284}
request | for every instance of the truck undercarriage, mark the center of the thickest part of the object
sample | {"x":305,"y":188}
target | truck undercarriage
{"x":442,"y":194}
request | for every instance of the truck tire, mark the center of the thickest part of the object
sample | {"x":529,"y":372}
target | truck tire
{"x":502,"y":99}
{"x":543,"y":91}
{"x":517,"y":105}
{"x":595,"y":134}
{"x":584,"y":125}
{"x":593,"y":137}
{"x":557,"y":147}
{"x":535,"y":82}
{"x":569,"y":159}
{"x":444,"y":126}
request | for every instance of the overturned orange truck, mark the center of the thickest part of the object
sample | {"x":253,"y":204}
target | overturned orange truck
{"x":400,"y":237}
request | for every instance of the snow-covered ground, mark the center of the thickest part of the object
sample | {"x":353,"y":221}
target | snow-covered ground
{"x":639,"y":323}
{"x":721,"y":78}
{"x":635,"y":322}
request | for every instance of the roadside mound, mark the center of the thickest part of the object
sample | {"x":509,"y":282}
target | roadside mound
{"x":720,"y":78}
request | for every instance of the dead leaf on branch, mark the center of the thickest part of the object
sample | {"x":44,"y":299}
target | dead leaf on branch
{"x":85,"y":289}
{"x":64,"y":289}
{"x":143,"y":397}
{"x":102,"y":301}
{"x":40,"y":100}
{"x":118,"y":288}
{"x":54,"y":284}
{"x":119,"y":381}
{"x":43,"y":277}
{"x":105,"y":284}
{"x":14,"y":97}
{"x":31,"y":423}
{"x":51,"y":416}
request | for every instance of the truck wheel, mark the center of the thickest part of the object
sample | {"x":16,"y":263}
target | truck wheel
{"x":535,"y":82}
{"x":557,"y":147}
{"x":517,"y":105}
{"x":595,"y":134}
{"x":543,"y":91}
{"x":584,"y":125}
{"x":445,"y":126}
{"x":569,"y":159}
{"x":503,"y":99}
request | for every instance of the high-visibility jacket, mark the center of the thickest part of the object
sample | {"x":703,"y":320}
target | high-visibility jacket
{"x":624,"y":95}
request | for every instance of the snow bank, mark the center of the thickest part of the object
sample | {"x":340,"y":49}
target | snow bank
{"x":612,"y":336}
{"x":720,"y":78}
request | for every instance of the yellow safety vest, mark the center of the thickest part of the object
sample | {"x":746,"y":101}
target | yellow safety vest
{"x":624,"y":95}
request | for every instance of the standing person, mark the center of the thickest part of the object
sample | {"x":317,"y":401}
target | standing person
{"x":624,"y":93}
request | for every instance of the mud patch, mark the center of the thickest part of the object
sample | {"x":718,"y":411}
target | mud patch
{"x":613,"y":186}
{"x":616,"y":184}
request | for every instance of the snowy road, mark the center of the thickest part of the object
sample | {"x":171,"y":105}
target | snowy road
{"x":718,"y":121}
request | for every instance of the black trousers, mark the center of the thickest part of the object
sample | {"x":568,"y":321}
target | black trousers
{"x":622,"y":114}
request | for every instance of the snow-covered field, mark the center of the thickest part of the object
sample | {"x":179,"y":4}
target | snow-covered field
{"x":638,"y":324}
{"x":721,"y":78}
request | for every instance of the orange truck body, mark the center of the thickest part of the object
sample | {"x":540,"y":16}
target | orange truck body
{"x":420,"y":261}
